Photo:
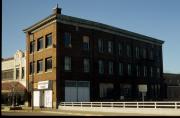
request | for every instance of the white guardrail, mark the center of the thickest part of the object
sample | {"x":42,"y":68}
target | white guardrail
{"x":159,"y":104}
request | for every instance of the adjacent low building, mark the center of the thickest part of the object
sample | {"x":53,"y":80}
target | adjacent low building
{"x":14,"y":79}
{"x":73,"y":59}
{"x":173,"y":86}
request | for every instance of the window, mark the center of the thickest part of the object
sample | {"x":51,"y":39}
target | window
{"x":32,"y":47}
{"x":17,"y":73}
{"x":120,"y":49}
{"x":67,"y":63}
{"x":128,"y":50}
{"x":144,"y":53}
{"x":137,"y":70}
{"x":137,"y":52}
{"x":48,"y":64}
{"x":86,"y":65}
{"x":48,"y":40}
{"x":110,"y":68}
{"x":39,"y":44}
{"x":158,"y":72}
{"x":129,"y":69}
{"x":145,"y":71}
{"x":85,"y":42}
{"x":110,"y":46}
{"x":67,"y":40}
{"x":151,"y":71}
{"x":100,"y":45}
{"x":39,"y":66}
{"x":120,"y":69}
{"x":7,"y":74}
{"x":151,"y":54}
{"x":32,"y":67}
{"x":22,"y":73}
{"x":101,"y":67}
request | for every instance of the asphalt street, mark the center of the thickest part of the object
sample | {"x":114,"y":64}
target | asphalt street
{"x":65,"y":113}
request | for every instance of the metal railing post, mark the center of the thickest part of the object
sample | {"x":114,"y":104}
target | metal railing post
{"x":81,"y":104}
{"x":91,"y":104}
{"x":175,"y":105}
{"x":137,"y":105}
{"x":101,"y":104}
{"x":112,"y":104}
{"x":155,"y":105}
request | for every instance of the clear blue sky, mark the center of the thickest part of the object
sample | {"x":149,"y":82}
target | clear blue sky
{"x":156,"y":18}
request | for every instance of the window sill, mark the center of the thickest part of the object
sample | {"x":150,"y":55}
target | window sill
{"x":48,"y":71}
{"x":39,"y":73}
{"x":48,"y":47}
{"x":40,"y":50}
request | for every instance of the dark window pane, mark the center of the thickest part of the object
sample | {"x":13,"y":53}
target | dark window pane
{"x":39,"y":66}
{"x":48,"y":63}
{"x":67,"y":40}
{"x":40,"y":44}
{"x":48,"y":40}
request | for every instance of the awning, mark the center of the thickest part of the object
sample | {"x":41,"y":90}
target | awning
{"x":8,"y":87}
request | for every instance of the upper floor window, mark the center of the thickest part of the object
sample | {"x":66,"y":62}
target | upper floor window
{"x":158,"y":72}
{"x":86,"y":65}
{"x":101,"y":66}
{"x":137,"y":70}
{"x":137,"y":52}
{"x":48,"y":64}
{"x":110,"y":68}
{"x":128,"y":50}
{"x":67,"y":63}
{"x":85,"y":42}
{"x":17,"y":73}
{"x":32,"y":46}
{"x":39,"y":66}
{"x":144,"y":53}
{"x":145,"y":71}
{"x":129,"y":69}
{"x":100,"y":46}
{"x":67,"y":40}
{"x":32,"y":67}
{"x":7,"y":74}
{"x":151,"y":54}
{"x":48,"y":40}
{"x":151,"y":71}
{"x":110,"y":46}
{"x":120,"y":69}
{"x":39,"y":44}
{"x":22,"y":73}
{"x":120,"y":49}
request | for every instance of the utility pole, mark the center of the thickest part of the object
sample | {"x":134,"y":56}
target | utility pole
{"x":33,"y":74}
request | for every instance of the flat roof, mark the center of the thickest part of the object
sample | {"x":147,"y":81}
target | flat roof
{"x":102,"y":26}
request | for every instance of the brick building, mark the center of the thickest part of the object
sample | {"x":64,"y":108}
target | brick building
{"x":72,"y":59}
{"x":173,"y":86}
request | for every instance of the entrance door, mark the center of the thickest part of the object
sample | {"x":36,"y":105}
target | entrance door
{"x":77,"y":91}
{"x":41,"y":99}
{"x":70,"y":94}
{"x":48,"y":98}
{"x":36,"y":98}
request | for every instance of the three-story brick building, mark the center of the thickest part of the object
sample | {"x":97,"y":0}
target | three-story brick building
{"x":72,"y":59}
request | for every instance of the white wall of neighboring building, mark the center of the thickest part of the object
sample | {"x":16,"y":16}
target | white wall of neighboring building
{"x":7,"y":65}
{"x":18,"y":61}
